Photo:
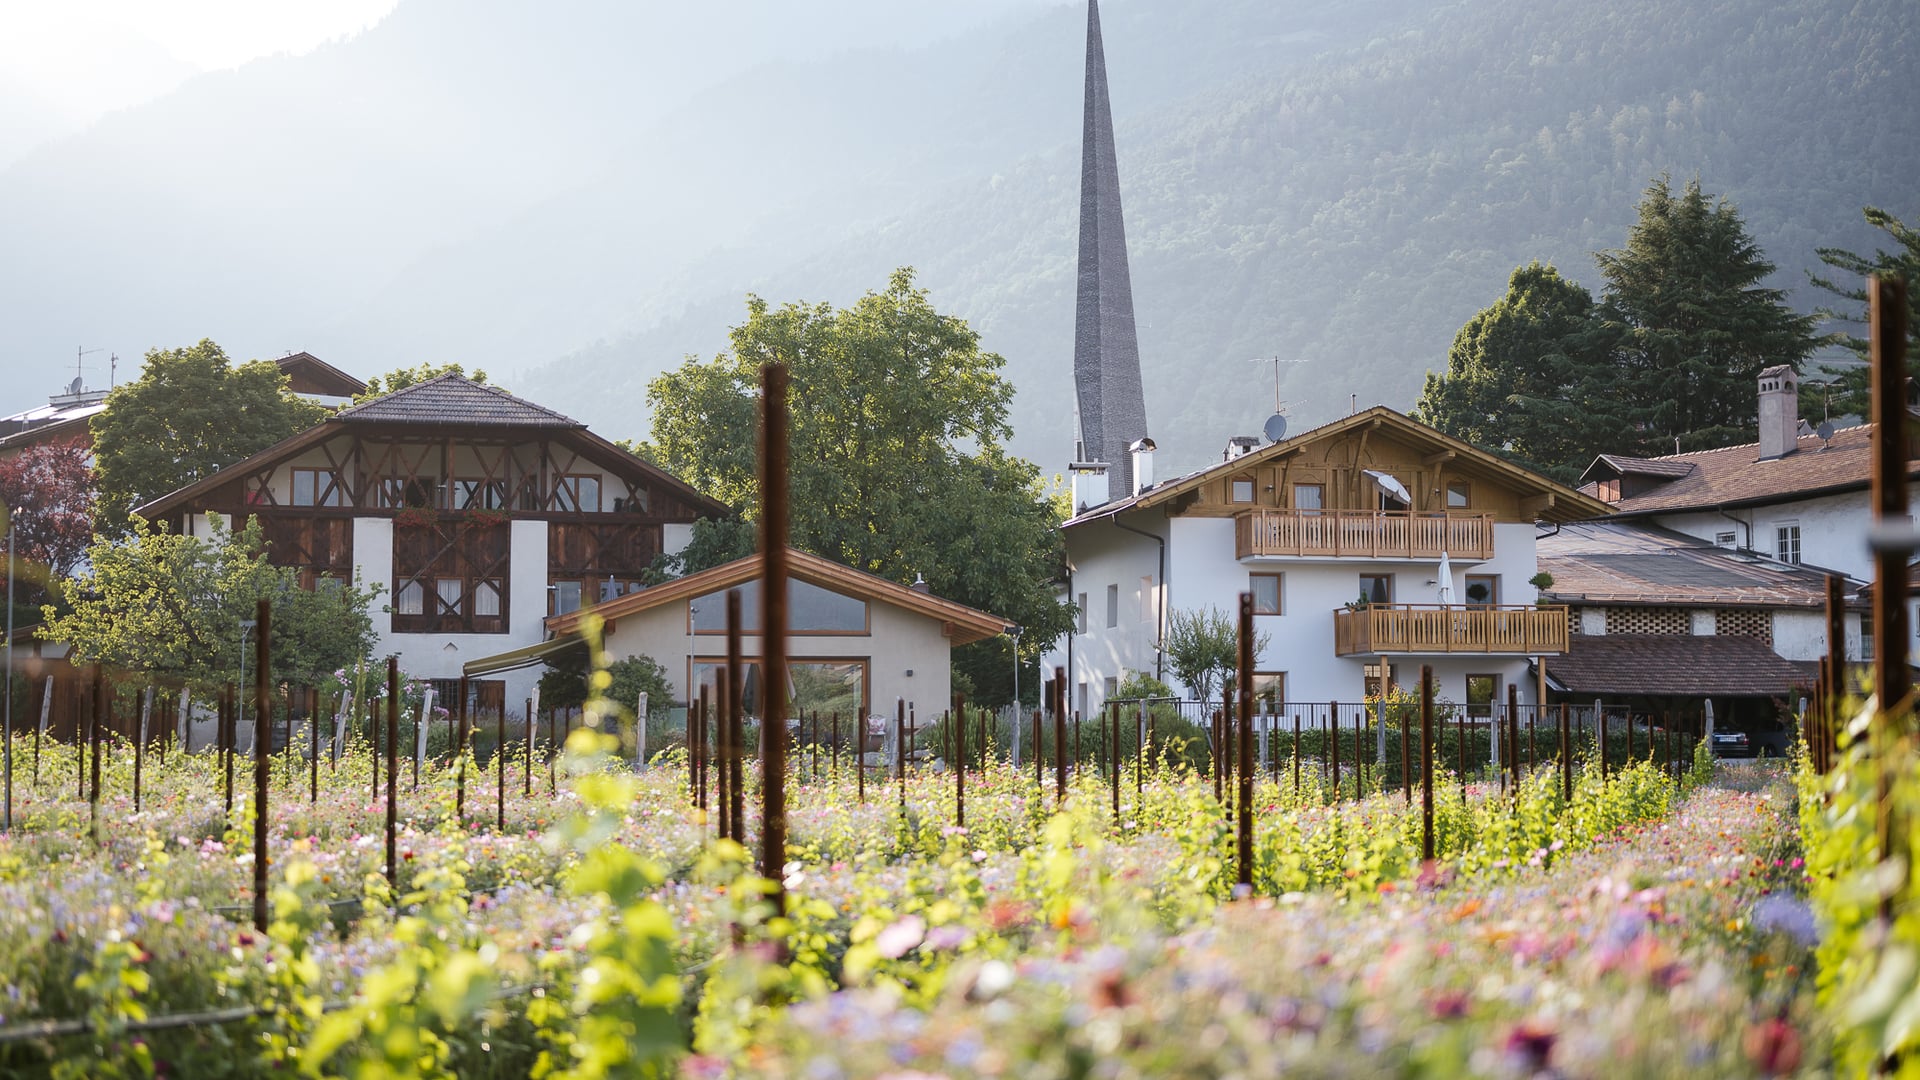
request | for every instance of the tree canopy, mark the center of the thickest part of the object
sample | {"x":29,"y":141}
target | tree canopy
{"x":190,"y":413}
{"x":898,"y":469}
{"x":1670,"y":356}
{"x":48,"y":490}
{"x":159,"y":602}
{"x":1852,"y":394}
{"x":1203,"y":649}
{"x":401,"y":378}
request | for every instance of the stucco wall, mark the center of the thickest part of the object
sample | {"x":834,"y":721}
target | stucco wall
{"x":1833,"y":529}
{"x":897,"y":641}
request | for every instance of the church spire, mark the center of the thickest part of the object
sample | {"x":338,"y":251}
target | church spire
{"x":1106,"y":354}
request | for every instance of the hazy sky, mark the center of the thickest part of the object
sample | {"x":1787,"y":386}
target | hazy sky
{"x":75,"y":59}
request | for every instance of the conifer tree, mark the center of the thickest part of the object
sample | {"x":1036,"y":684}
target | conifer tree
{"x":1851,"y":393}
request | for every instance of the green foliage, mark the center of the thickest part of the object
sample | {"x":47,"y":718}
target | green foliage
{"x":1525,"y":377}
{"x":171,"y":605}
{"x":1203,"y":649}
{"x":1851,"y":391}
{"x":47,"y":496}
{"x":898,"y":417}
{"x":401,"y":378}
{"x":1698,"y":326}
{"x":189,"y":414}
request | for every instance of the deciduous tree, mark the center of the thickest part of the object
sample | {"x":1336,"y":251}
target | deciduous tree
{"x":1203,"y":649}
{"x":898,"y":468}
{"x":190,"y":413}
{"x":156,"y":601}
{"x":401,"y":378}
{"x":48,"y":488}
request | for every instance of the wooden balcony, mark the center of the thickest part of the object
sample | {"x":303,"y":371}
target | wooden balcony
{"x":1433,"y":628}
{"x":1363,"y":534}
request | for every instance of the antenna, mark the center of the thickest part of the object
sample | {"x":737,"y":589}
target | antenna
{"x":1276,"y":361}
{"x":80,"y":353}
{"x":113,"y":370}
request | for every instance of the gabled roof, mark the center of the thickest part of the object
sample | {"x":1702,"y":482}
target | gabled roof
{"x":309,"y":374}
{"x":965,"y":625}
{"x":1623,"y":562}
{"x":1734,"y":475}
{"x":1567,"y":504}
{"x":438,"y":401}
{"x":454,"y":399}
{"x":1671,"y":665}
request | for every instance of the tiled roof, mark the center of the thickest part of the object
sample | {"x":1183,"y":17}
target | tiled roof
{"x":1734,"y":476}
{"x":454,"y":399}
{"x":1675,"y":665}
{"x":1641,"y":466}
{"x":312,"y":375}
{"x":1627,"y":563}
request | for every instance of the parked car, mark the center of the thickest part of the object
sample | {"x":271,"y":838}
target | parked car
{"x":1758,"y":739}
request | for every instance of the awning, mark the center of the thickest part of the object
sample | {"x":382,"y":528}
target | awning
{"x":522,"y":657}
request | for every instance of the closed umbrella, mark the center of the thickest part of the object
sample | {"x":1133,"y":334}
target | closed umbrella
{"x":1446,"y":579}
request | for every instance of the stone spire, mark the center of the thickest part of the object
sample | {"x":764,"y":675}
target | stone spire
{"x":1106,"y":354}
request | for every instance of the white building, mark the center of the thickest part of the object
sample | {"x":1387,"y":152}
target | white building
{"x":1793,"y":497}
{"x":1372,"y":545}
{"x":478,"y":513}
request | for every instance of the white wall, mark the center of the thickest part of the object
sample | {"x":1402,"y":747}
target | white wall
{"x":1103,"y":555}
{"x":897,"y":641}
{"x":1833,"y":529}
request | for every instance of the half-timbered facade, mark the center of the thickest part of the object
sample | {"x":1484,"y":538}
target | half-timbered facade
{"x":1372,"y":545}
{"x":479,"y":514}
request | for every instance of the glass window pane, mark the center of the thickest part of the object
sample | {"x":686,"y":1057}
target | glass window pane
{"x":450,"y":591}
{"x":829,"y":687}
{"x":303,"y":482}
{"x":1243,"y":491}
{"x":587,"y":490}
{"x":1266,"y":594}
{"x":810,"y":610}
{"x":1308,"y":496}
{"x":1457,"y":492}
{"x":486,"y":599}
{"x":1269,"y":690}
{"x":410,"y":599}
{"x":566,"y":597}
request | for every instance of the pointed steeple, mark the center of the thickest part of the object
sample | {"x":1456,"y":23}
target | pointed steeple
{"x":1106,"y":354}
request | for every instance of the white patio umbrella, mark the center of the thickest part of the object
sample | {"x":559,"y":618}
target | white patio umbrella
{"x":1446,"y":579}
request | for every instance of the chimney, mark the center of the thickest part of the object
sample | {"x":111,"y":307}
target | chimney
{"x":1090,"y":484}
{"x":1779,"y":412}
{"x":920,"y":584}
{"x":1142,"y":465}
{"x":1239,"y":446}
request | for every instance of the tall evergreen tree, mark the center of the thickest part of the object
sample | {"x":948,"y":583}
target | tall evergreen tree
{"x":1696,"y":326}
{"x":1852,"y":393}
{"x":1525,"y":377}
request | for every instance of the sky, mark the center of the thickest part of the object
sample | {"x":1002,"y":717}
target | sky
{"x":64,"y":63}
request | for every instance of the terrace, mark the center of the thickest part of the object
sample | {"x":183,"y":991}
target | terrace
{"x":1513,"y":630}
{"x":1364,"y":534}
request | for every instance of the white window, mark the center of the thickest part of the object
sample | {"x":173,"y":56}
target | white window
{"x":451,"y":592}
{"x":1113,"y":606}
{"x":1082,"y":605}
{"x":1309,"y":496}
{"x":316,"y":487}
{"x":486,"y":599}
{"x":1266,"y":593}
{"x":1241,"y":489}
{"x":1787,"y":543}
{"x":410,"y":599}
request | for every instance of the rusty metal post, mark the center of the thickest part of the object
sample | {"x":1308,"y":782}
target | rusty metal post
{"x":1113,"y":758}
{"x":900,"y":744}
{"x":313,"y":758}
{"x":1600,"y":713}
{"x":1060,"y":734}
{"x":1512,"y":740}
{"x":393,"y":769}
{"x":500,"y":767}
{"x":262,"y":758}
{"x":460,"y":752}
{"x":1040,"y":745}
{"x":526,"y":779}
{"x":1333,"y":726}
{"x":1296,"y":755}
{"x":959,"y":761}
{"x":100,"y":707}
{"x":1426,"y":762}
{"x":1218,"y":756}
{"x":1892,"y":680}
{"x":774,"y":511}
{"x":1566,"y":757}
{"x":1406,"y":760}
{"x":1245,"y":695}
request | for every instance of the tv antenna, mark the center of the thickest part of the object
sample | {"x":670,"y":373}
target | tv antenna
{"x":1276,"y":425}
{"x":79,"y":355}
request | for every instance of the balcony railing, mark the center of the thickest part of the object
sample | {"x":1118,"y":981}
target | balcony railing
{"x":1433,"y":628}
{"x":1366,"y":534}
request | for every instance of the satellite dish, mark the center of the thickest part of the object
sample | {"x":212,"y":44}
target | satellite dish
{"x":1276,"y":428}
{"x":1825,"y":431}
{"x":74,"y":386}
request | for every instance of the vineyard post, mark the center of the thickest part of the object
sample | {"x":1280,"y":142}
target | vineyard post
{"x":1512,"y":740}
{"x":1039,"y":747}
{"x":1835,"y":667}
{"x":1462,"y":729}
{"x":1140,"y":751}
{"x":100,"y":707}
{"x":1892,"y":679}
{"x":393,"y":767}
{"x":1218,"y":754}
{"x":313,"y":759}
{"x":1333,"y":723}
{"x":139,"y":742}
{"x":1566,"y":757}
{"x":774,"y":480}
{"x":224,"y":739}
{"x":1406,"y":762}
{"x":1600,"y":719}
{"x":959,"y":760}
{"x":722,"y":749}
{"x":526,"y":775}
{"x":500,"y":765}
{"x":833,"y":746}
{"x":1060,"y":735}
{"x":459,"y":716}
{"x":262,"y":758}
{"x":900,"y":745}
{"x":1296,"y":755}
{"x":1245,"y":694}
{"x":731,"y":763}
{"x":1113,"y":711}
{"x":1426,"y":763}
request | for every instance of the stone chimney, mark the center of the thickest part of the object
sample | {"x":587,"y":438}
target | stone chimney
{"x":1142,"y":452}
{"x":1779,"y":412}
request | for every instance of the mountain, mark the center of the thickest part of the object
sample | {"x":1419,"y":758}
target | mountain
{"x":574,"y":196}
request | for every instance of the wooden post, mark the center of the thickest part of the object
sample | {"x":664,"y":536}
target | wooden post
{"x":1245,"y":695}
{"x":393,"y":769}
{"x":833,"y":746}
{"x":1892,"y":680}
{"x":774,"y":509}
{"x":1060,"y":735}
{"x":262,"y":760}
{"x":860,"y":757}
{"x":1426,"y":762}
